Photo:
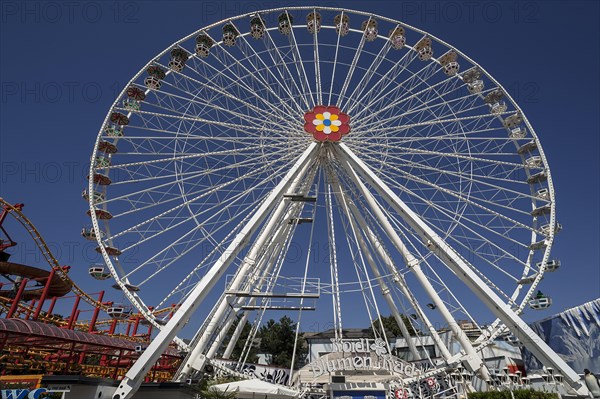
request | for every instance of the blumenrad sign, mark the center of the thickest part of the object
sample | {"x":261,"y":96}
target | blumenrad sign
{"x":361,"y":354}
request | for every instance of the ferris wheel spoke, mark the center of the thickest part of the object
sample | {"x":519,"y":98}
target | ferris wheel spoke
{"x":370,"y":72}
{"x":466,"y":243}
{"x":190,"y":177}
{"x":191,"y":105}
{"x":431,"y":166}
{"x":252,"y":92}
{"x":377,"y":98}
{"x":187,"y":85}
{"x":210,"y":213}
{"x":470,"y":199}
{"x":425,"y":96}
{"x":398,"y":278}
{"x":388,"y":78}
{"x":268,"y":68}
{"x":353,"y":64}
{"x":300,"y":66}
{"x":397,"y":130}
{"x":263,"y":85}
{"x":198,"y":195}
{"x":425,"y":105}
{"x":426,"y":114}
{"x":181,"y":157}
{"x":335,"y":61}
{"x":283,"y":62}
{"x":245,"y":47}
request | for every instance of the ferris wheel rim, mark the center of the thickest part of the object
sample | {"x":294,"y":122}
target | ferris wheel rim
{"x":136,"y":299}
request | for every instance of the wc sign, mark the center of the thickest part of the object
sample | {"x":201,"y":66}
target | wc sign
{"x":22,"y":393}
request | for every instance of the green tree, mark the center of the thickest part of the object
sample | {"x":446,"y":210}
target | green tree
{"x":391,"y":327}
{"x":239,"y":345}
{"x":277,"y":339}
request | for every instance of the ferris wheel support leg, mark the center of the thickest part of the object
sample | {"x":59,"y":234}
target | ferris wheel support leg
{"x":235,"y":336}
{"x":473,"y":361}
{"x":196,"y":360}
{"x":135,"y":376}
{"x":465,"y":272}
{"x":385,"y":291}
{"x":202,"y":337}
{"x":399,"y":279}
{"x":263,"y":270}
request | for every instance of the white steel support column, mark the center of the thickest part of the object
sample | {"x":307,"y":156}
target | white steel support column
{"x":196,"y":360}
{"x":236,"y":335}
{"x":400,"y":281}
{"x":472,"y":361}
{"x":465,"y":272}
{"x":135,"y":376}
{"x":224,"y":327}
{"x":385,"y":291}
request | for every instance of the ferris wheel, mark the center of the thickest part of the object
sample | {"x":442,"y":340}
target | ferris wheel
{"x":417,"y":172}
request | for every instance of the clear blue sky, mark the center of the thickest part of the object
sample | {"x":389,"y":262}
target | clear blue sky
{"x":61,"y":65}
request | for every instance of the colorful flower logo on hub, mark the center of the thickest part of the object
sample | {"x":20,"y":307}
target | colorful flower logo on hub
{"x":327,"y":123}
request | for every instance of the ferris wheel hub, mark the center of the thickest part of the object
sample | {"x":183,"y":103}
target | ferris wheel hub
{"x":327,"y":123}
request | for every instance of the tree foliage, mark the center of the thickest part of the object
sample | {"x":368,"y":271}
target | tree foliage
{"x":239,"y":345}
{"x":391,"y":327}
{"x":277,"y":339}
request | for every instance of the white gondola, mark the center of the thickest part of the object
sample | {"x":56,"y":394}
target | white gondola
{"x":102,"y":161}
{"x":448,"y":61}
{"x":498,"y":108}
{"x":541,"y":211}
{"x":313,"y":22}
{"x":517,"y":133}
{"x":475,"y":86}
{"x":513,"y":120}
{"x":98,"y":272}
{"x":101,"y":214}
{"x":229,"y":35}
{"x":536,"y":246}
{"x":537,"y":178}
{"x":285,"y":23}
{"x":175,"y":64}
{"x":527,"y":148}
{"x":545,"y":229}
{"x":114,"y":131}
{"x":152,"y":82}
{"x":543,"y":194}
{"x":135,"y":105}
{"x":89,"y":234}
{"x":97,"y":196}
{"x":551,"y":266}
{"x":369,"y":27}
{"x":119,"y":312}
{"x":257,"y":28}
{"x":534,"y":162}
{"x":397,"y":38}
{"x":423,"y":47}
{"x":540,"y":301}
{"x":111,"y":251}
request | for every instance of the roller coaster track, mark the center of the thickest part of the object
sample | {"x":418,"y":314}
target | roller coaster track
{"x":52,"y":261}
